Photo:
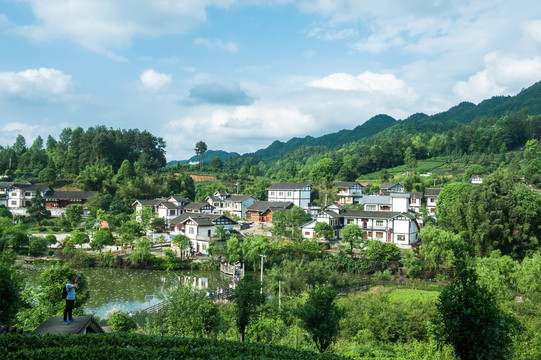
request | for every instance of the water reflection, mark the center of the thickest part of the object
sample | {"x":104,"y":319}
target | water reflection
{"x":126,"y":288}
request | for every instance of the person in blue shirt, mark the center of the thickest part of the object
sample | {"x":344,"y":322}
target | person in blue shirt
{"x":71,"y":285}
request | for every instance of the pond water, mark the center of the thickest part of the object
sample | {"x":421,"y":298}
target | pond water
{"x":126,"y":288}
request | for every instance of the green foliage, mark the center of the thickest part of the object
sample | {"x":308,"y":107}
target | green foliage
{"x":436,"y":246}
{"x":140,"y":254}
{"x":323,"y":230}
{"x":4,"y":212}
{"x":121,"y":321}
{"x":353,"y":235}
{"x":382,"y":252}
{"x":468,"y":316}
{"x":37,"y":245}
{"x":74,"y":212}
{"x":47,"y":175}
{"x":498,"y":274}
{"x":101,"y":238}
{"x":37,"y":210}
{"x":247,"y":300}
{"x":320,"y":316}
{"x":136,"y":346}
{"x":412,"y":263}
{"x":528,"y":279}
{"x":10,"y":288}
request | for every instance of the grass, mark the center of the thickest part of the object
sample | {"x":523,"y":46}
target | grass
{"x":412,"y":294}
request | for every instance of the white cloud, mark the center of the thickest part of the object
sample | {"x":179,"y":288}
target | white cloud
{"x":154,"y":80}
{"x":217,"y":44}
{"x":502,"y":75}
{"x":366,"y":81}
{"x":102,"y":25}
{"x":42,"y":83}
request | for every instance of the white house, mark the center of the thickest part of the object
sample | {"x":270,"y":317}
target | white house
{"x":349,"y":192}
{"x":476,"y":179}
{"x":168,"y":210}
{"x":198,"y":207}
{"x":297,"y":193}
{"x":397,"y":202}
{"x":332,"y":218}
{"x":431,"y":196}
{"x":235,"y":205}
{"x":200,"y":228}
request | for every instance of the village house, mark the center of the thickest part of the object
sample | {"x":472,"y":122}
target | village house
{"x":431,"y":196}
{"x":331,"y":215}
{"x":298,"y":193}
{"x":349,"y":192}
{"x":389,"y":187}
{"x":397,"y":202}
{"x":261,"y":211}
{"x":476,"y":179}
{"x":416,"y":199}
{"x":57,"y":201}
{"x":198,"y":207}
{"x":200,"y":228}
{"x":234,"y":205}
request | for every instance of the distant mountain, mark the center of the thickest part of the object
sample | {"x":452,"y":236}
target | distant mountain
{"x":207,"y":157}
{"x":463,"y":113}
{"x":371,"y":127}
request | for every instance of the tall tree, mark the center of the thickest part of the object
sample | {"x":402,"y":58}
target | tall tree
{"x":320,"y":316}
{"x":248,"y":297}
{"x":468,"y":316}
{"x":37,"y":210}
{"x":354,"y":236}
{"x":200,"y":149}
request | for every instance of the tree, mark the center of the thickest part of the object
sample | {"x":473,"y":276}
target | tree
{"x":436,"y":246}
{"x":183,"y":242}
{"x":354,"y":236}
{"x":141,"y":254}
{"x":121,"y":321}
{"x":10,"y":288}
{"x":323,"y":169}
{"x":37,"y":210}
{"x":248,"y":297}
{"x":37,"y":245}
{"x":5,"y":213}
{"x":47,"y":175}
{"x":101,"y":238}
{"x":74,"y":212}
{"x":468,"y":317}
{"x":216,"y":163}
{"x":323,"y":230}
{"x":200,"y":149}
{"x":320,"y":316}
{"x":233,"y":250}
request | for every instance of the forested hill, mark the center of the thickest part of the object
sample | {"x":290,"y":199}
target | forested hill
{"x":464,"y":113}
{"x":207,"y":157}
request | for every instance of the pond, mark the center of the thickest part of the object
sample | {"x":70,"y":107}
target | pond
{"x":126,"y":289}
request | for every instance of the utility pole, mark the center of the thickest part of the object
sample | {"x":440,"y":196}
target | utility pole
{"x":262,"y":256}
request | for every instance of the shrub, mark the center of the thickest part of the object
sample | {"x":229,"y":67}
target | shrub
{"x":51,"y":252}
{"x":68,"y":229}
{"x":51,"y":223}
{"x":121,"y":321}
{"x":55,"y":229}
{"x":42,"y":229}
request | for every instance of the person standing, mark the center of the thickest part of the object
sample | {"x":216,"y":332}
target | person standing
{"x":71,"y":285}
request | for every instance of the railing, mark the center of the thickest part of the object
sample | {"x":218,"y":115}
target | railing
{"x":232,"y":270}
{"x":156,"y":308}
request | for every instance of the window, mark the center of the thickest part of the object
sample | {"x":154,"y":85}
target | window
{"x":13,"y":194}
{"x":431,"y":200}
{"x":349,"y":221}
{"x":379,"y":235}
{"x":289,"y":193}
{"x":13,"y":202}
{"x":379,"y":222}
{"x":385,"y":208}
{"x":370,"y":207}
{"x":191,"y":230}
{"x":272,"y":193}
{"x":28,"y":193}
{"x":401,"y":237}
{"x":280,"y":193}
{"x":171,"y":212}
{"x":307,"y":233}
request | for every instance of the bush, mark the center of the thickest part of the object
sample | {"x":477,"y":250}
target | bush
{"x":51,"y":252}
{"x":42,"y":229}
{"x":121,"y":321}
{"x":55,"y":229}
{"x":51,"y":223}
{"x":68,"y":229}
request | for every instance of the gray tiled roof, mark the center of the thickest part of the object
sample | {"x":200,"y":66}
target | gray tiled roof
{"x":199,"y":219}
{"x":70,"y":195}
{"x":388,"y":185}
{"x":376,"y":199}
{"x":432,"y":191}
{"x":288,"y":186}
{"x":375,"y":214}
{"x":273,"y":205}
{"x":347,"y":184}
{"x":197,"y":205}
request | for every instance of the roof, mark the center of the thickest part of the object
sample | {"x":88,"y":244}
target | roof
{"x":197,"y":205}
{"x":388,"y":185}
{"x":82,"y":324}
{"x":179,"y":198}
{"x":70,"y":195}
{"x":432,"y":191}
{"x":347,"y":184}
{"x":199,"y":219}
{"x":376,"y":199}
{"x":154,"y":202}
{"x":400,"y":195}
{"x":288,"y":186}
{"x":262,"y":206}
{"x":169,"y":205}
{"x":416,"y":195}
{"x":375,"y":214}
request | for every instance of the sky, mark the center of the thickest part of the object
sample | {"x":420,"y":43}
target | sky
{"x":240,"y":74}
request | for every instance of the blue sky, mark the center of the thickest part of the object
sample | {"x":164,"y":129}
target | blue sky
{"x":239,"y":74}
